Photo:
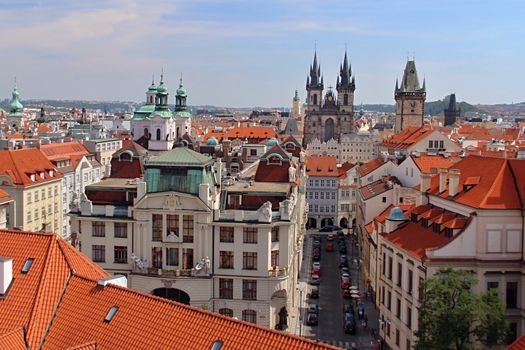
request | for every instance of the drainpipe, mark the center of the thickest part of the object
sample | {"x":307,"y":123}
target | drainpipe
{"x":213,"y":267}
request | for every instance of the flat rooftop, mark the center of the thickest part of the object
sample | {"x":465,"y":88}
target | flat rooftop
{"x":109,"y":183}
{"x":259,"y":187}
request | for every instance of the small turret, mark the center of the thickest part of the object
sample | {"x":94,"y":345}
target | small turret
{"x":180,"y":98}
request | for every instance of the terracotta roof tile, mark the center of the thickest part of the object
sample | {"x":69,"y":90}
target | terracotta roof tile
{"x":61,"y":286}
{"x":321,"y":166}
{"x":5,"y":197}
{"x":63,"y":149}
{"x":408,"y":137}
{"x":427,"y":163}
{"x":20,"y":164}
{"x":84,"y":306}
{"x":498,"y":185}
{"x":370,"y":166}
{"x":519,"y":344}
{"x":13,"y":340}
{"x":415,"y":239}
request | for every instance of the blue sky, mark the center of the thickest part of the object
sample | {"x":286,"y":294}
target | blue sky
{"x":256,"y":53}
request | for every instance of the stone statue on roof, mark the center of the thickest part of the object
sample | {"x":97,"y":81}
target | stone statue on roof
{"x":265,"y":212}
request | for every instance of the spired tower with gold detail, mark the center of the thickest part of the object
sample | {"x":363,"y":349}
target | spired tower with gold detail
{"x":410,"y":99}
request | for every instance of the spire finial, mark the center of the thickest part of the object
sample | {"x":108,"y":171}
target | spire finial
{"x":153,"y":79}
{"x":161,"y":75}
{"x":15,"y":81}
{"x":180,"y":78}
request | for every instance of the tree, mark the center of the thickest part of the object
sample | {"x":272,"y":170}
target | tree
{"x":452,"y":316}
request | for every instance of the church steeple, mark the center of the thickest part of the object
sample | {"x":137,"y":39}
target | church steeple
{"x":345,"y":86}
{"x":345,"y":73}
{"x":161,"y":100}
{"x":410,"y":99}
{"x":315,"y":80}
{"x":180,"y":97}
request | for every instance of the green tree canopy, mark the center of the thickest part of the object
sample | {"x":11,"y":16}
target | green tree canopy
{"x":452,"y":316}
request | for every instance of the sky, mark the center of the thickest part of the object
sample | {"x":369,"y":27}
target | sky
{"x":244,"y":53}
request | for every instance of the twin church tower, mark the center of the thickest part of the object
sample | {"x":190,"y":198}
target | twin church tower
{"x":332,"y":116}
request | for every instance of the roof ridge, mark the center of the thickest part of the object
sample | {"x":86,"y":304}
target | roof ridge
{"x":500,"y":173}
{"x":202,"y":311}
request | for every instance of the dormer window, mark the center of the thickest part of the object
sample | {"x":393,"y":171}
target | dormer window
{"x":51,"y":173}
{"x":42,"y":175}
{"x":33,"y":177}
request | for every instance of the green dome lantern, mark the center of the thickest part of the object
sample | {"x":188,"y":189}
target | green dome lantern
{"x":16,"y":106}
{"x":181,"y":91}
{"x":396,"y":214}
{"x":272,"y":142}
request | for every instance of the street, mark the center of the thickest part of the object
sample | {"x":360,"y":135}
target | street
{"x":330,"y":327}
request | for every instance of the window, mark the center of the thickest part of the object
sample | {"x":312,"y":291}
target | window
{"x":384,"y":199}
{"x":172,"y":225}
{"x":275,"y":258}
{"x":27,"y":265}
{"x":120,"y":255}
{"x":226,"y":312}
{"x":50,"y":192}
{"x":322,"y":183}
{"x":430,"y":144}
{"x":512,"y":295}
{"x":249,"y":289}
{"x":36,"y":196}
{"x":43,"y":194}
{"x":249,"y":260}
{"x":98,"y":253}
{"x":436,"y":228}
{"x":441,"y":144}
{"x":249,"y":235}
{"x":322,"y":195}
{"x":421,"y":290}
{"x":98,"y":228}
{"x":492,"y":285}
{"x":275,"y":234}
{"x":398,"y":309}
{"x":399,"y":274}
{"x":253,"y":152}
{"x":29,"y":198}
{"x":409,"y":317}
{"x":390,"y":263}
{"x":157,"y":227}
{"x":410,"y":282}
{"x":172,"y":256}
{"x":397,"y":337}
{"x":187,"y":258}
{"x":121,"y":230}
{"x":36,"y":214}
{"x":156,"y":257}
{"x":251,"y":315}
{"x":226,"y":234}
{"x":389,"y":300}
{"x":409,"y":345}
{"x":333,"y":195}
{"x":187,"y":228}
{"x":225,"y":260}
{"x":383,"y":295}
{"x":226,"y":288}
{"x":384,"y":264}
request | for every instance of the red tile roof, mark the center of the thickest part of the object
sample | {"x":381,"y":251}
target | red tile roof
{"x":426,"y":163}
{"x":244,"y":132}
{"x":13,"y":340}
{"x":20,"y":164}
{"x":519,"y":344}
{"x":268,"y":171}
{"x":4,"y":197}
{"x":415,"y":239}
{"x":408,"y":137}
{"x":61,"y":306}
{"x":378,"y":187}
{"x":370,"y":166}
{"x":321,"y":166}
{"x":63,"y":149}
{"x":499,"y":184}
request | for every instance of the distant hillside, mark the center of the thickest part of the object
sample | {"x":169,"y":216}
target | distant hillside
{"x":432,"y":108}
{"x":108,"y":106}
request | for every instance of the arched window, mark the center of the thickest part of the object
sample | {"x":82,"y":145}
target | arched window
{"x":146,"y":132}
{"x":315,"y":99}
{"x":345,"y":98}
{"x":158,"y":134}
{"x":249,"y":316}
{"x":226,"y":312}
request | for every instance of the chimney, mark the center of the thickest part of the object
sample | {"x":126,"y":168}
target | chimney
{"x":204,"y":193}
{"x":218,"y":169}
{"x":442,"y":179}
{"x":118,"y":280}
{"x":453,"y":184}
{"x":6,"y":274}
{"x":425,"y":182}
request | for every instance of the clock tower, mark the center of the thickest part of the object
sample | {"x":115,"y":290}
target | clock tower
{"x":410,"y":99}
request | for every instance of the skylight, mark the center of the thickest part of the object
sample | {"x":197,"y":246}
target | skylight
{"x":111,"y":313}
{"x":217,"y":345}
{"x":27,"y":265}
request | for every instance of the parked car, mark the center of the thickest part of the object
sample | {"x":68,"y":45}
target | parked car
{"x":316,"y":265}
{"x":316,"y":271}
{"x":315,"y":280}
{"x":345,"y":276}
{"x":317,"y":242}
{"x":327,"y":228}
{"x":345,"y":268}
{"x":348,"y":308}
{"x":329,"y":247}
{"x":349,"y":323}
{"x":313,"y":308}
{"x":345,"y":284}
{"x":312,"y":319}
{"x":316,"y":257}
{"x":346,"y":294}
{"x":314,"y":293}
{"x":342,"y":249}
{"x":330,"y":238}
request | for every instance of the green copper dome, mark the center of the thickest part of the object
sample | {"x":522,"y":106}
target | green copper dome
{"x":181,"y":91}
{"x":273,"y":141}
{"x":161,"y":89}
{"x":152,"y":87}
{"x":16,"y":105}
{"x":396,"y":214}
{"x":212,"y":141}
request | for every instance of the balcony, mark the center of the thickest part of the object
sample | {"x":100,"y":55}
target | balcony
{"x":278,"y":272}
{"x":165,"y":273}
